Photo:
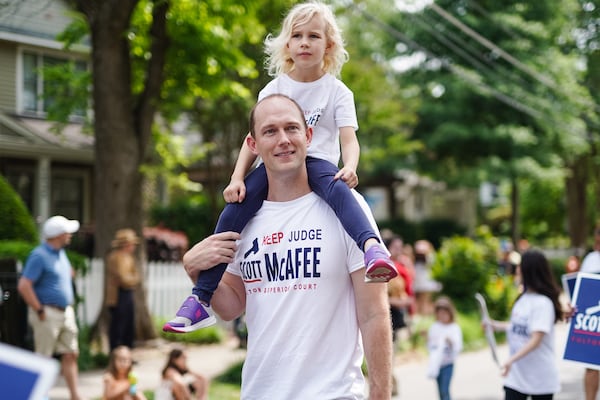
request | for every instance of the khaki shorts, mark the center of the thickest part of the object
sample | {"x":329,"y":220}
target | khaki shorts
{"x":57,"y":334}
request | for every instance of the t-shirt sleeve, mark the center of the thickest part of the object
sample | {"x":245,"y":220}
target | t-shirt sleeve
{"x":591,"y":263}
{"x":345,"y":110}
{"x":34,"y":266}
{"x":269,"y":89}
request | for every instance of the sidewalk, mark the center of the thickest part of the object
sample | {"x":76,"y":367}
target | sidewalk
{"x":210,"y":360}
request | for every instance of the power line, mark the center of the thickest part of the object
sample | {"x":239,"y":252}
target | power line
{"x":480,"y":86}
{"x":506,"y":56}
{"x":481,"y":64}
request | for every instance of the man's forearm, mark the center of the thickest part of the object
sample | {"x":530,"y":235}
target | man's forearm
{"x":377,"y":342}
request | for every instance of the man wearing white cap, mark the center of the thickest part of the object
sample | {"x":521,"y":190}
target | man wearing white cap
{"x":46,"y":285}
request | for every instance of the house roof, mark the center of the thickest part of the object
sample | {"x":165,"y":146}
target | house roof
{"x":38,"y":23}
{"x":30,"y":137}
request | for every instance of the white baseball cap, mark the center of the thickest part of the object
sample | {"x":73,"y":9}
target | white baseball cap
{"x":58,"y":225}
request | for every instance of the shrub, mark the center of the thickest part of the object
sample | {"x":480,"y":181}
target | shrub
{"x":16,"y":250}
{"x":500,"y":294}
{"x":19,"y":250}
{"x":15,"y":221}
{"x":463,"y":266}
{"x":232,"y":375}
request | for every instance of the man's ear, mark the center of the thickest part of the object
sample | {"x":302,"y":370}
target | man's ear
{"x":309,"y":135}
{"x":251,"y":142}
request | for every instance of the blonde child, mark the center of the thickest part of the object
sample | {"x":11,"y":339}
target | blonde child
{"x":444,"y":342}
{"x":305,"y":59}
{"x":120,"y":382}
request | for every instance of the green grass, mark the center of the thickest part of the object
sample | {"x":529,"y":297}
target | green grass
{"x":217,"y":390}
{"x":209,"y":335}
{"x":223,"y":387}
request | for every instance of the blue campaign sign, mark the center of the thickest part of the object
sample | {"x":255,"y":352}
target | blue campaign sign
{"x":583,"y":339}
{"x":568,"y":283}
{"x":25,"y":375}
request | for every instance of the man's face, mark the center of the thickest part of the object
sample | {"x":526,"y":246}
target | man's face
{"x":280,"y":137}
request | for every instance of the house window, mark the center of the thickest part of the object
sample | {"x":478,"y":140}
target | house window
{"x":21,"y":180}
{"x":67,"y":196}
{"x":33,"y":83}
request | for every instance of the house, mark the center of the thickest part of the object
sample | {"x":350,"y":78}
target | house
{"x":417,"y":198}
{"x":52,"y":171}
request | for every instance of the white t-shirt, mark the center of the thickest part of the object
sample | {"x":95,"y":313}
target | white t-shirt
{"x":328,"y":105}
{"x":436,"y":338}
{"x":591,"y":262}
{"x":537,"y":372}
{"x":295,"y":260}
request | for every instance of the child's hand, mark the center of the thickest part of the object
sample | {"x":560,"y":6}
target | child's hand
{"x":235,"y":192}
{"x":505,"y":368}
{"x":348,"y":176}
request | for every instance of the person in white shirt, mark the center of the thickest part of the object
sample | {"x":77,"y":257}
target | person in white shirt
{"x":299,"y":277}
{"x":531,"y":369}
{"x":591,"y":264}
{"x":306,"y":58}
{"x":444,"y":342}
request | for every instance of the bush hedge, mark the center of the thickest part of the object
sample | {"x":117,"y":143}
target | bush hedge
{"x":15,"y":221}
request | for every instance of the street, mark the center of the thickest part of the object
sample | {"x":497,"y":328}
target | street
{"x":476,"y":376}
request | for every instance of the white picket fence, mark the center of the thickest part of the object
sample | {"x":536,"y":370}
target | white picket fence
{"x":167,"y":286}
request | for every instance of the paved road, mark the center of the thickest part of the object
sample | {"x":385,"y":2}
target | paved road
{"x":476,"y":377}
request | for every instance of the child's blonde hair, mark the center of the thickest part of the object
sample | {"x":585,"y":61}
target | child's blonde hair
{"x":279,"y":60}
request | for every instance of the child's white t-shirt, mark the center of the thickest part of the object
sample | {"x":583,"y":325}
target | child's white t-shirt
{"x":437,"y":341}
{"x":327,"y":104}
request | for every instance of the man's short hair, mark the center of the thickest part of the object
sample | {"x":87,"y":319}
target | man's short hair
{"x":252,"y":121}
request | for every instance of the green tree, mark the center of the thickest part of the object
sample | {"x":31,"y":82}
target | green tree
{"x":386,"y":113}
{"x":150,"y":57}
{"x":495,"y":85}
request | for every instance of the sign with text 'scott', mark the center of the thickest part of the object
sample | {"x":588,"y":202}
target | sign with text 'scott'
{"x":583,"y":339}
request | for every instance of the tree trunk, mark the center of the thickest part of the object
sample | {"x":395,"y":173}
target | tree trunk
{"x":122,"y":126}
{"x":576,"y":188}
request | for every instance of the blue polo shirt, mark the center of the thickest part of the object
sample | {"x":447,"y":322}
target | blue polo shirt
{"x":50,"y":271}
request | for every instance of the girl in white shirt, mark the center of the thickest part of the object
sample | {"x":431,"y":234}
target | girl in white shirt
{"x":444,"y":342}
{"x":531,"y":369}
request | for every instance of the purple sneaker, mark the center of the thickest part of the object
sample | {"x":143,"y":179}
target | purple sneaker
{"x":379,"y":266}
{"x":191,"y":316}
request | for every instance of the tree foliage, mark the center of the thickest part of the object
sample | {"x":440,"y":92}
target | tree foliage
{"x":500,"y":90}
{"x":153,"y":58}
